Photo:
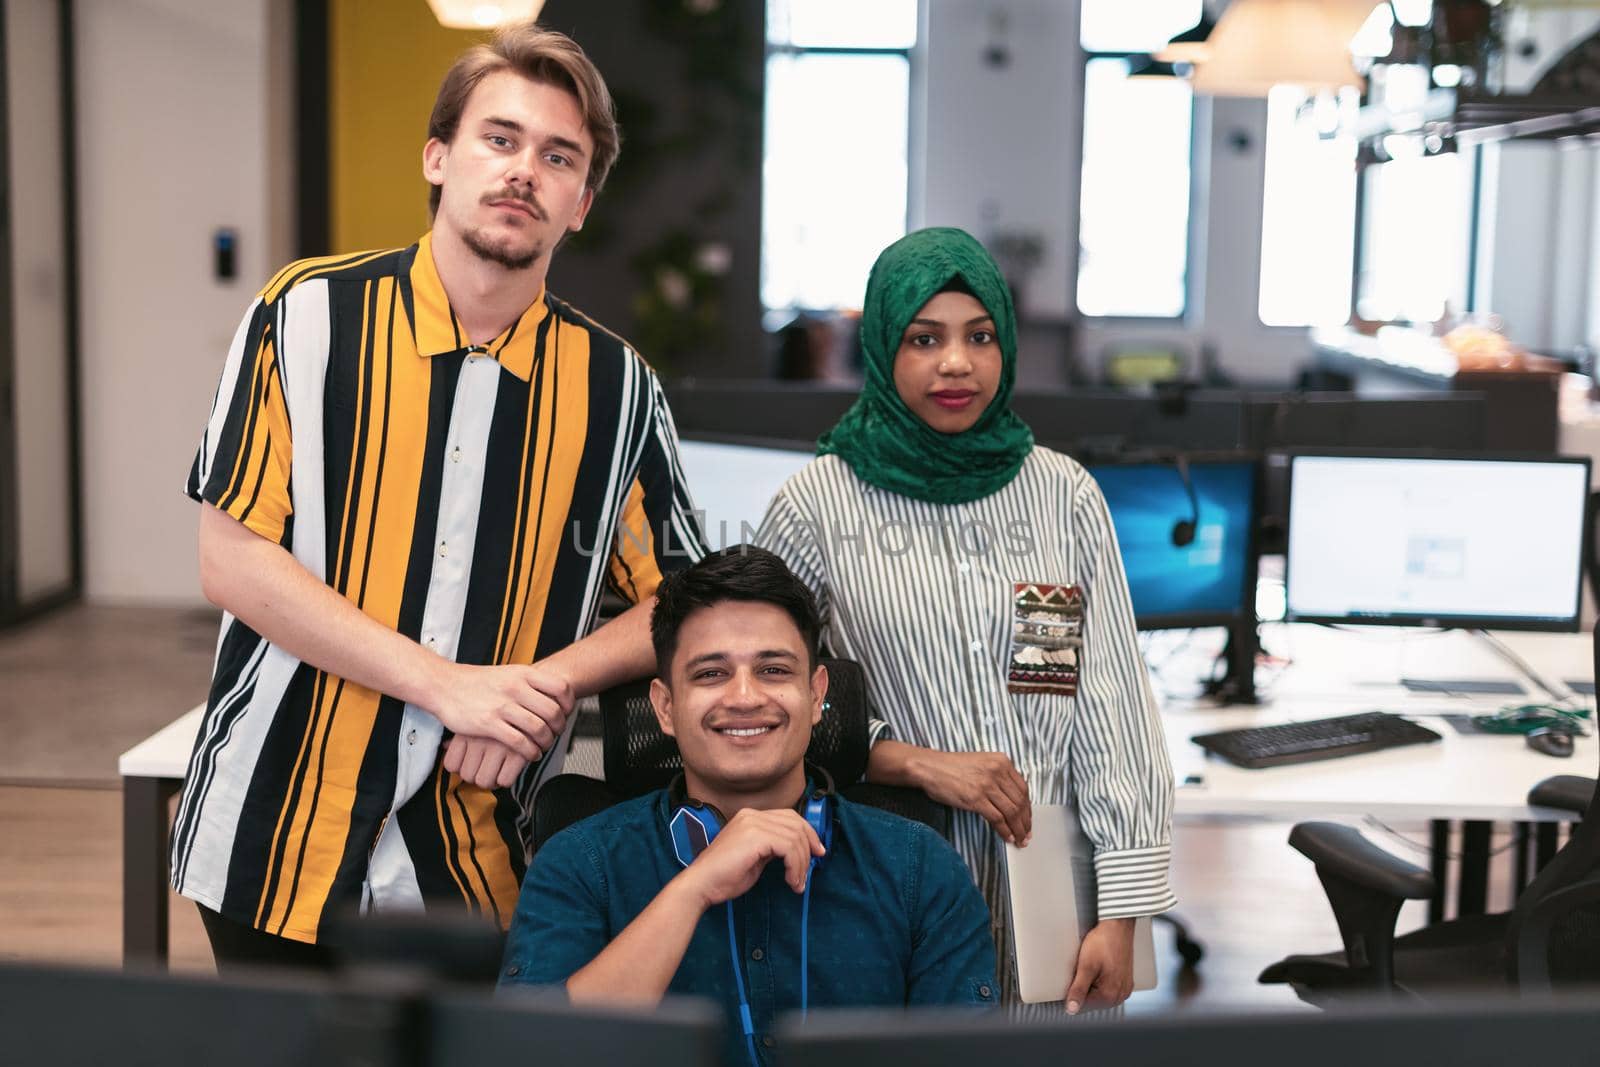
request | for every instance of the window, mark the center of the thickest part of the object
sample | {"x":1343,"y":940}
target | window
{"x":834,"y":167}
{"x":1414,"y":232}
{"x":1309,"y":208}
{"x":1133,"y":229}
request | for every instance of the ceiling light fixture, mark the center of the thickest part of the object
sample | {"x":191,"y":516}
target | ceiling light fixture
{"x":478,"y":15}
{"x":1261,"y":43}
{"x":1192,"y":45}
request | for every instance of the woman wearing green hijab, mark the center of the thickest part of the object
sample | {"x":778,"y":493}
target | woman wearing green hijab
{"x":976,"y":577}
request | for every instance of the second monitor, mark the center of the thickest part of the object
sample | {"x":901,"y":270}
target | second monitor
{"x":1466,"y":541}
{"x":1186,"y":531}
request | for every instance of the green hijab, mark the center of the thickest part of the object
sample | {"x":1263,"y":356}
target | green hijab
{"x":884,"y":443}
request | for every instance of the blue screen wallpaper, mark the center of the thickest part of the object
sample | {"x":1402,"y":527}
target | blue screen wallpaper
{"x":1203,"y":579}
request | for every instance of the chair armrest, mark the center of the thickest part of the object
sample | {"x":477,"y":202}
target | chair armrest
{"x":1365,"y":887}
{"x":1343,"y":851}
{"x":1531,"y":933}
{"x":1569,"y":792}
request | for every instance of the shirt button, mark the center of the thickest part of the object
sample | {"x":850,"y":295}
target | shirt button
{"x":976,"y":646}
{"x":963,"y":566}
{"x":767,"y":1041}
{"x":444,"y":550}
{"x":984,"y":992}
{"x":513,"y":971}
{"x":411,"y":737}
{"x":756,"y":954}
{"x":455,"y":455}
{"x":432,"y":641}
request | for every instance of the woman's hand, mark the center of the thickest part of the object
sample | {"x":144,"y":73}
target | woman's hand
{"x":984,"y":782}
{"x":1104,"y":975}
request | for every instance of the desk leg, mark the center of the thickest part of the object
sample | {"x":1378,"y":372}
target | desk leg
{"x":146,"y":838}
{"x":1472,"y":891}
{"x":1545,"y":844}
{"x":1439,"y":866}
{"x":1524,"y":839}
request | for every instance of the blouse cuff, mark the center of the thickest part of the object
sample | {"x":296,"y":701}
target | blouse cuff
{"x":1133,"y":882}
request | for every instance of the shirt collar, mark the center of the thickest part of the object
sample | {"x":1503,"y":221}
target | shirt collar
{"x":437,"y":331}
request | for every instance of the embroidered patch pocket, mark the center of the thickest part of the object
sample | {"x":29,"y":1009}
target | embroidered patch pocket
{"x":1046,"y":638}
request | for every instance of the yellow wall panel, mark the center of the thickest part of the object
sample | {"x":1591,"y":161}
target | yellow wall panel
{"x":387,"y":58}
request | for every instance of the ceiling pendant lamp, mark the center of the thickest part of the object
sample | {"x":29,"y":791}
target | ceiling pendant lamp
{"x":1261,"y":43}
{"x":482,"y":14}
{"x":1151,"y":67}
{"x":1192,"y":45}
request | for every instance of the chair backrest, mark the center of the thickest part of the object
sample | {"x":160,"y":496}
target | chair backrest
{"x":1553,"y":938}
{"x":639,"y":758}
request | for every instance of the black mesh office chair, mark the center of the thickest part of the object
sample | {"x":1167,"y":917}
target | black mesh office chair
{"x":640,"y":758}
{"x":1550,"y":939}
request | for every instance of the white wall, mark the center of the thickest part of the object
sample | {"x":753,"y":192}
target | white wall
{"x":174,"y":101}
{"x":999,"y":144}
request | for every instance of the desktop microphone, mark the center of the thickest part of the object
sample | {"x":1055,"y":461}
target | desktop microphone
{"x":1183,"y":530}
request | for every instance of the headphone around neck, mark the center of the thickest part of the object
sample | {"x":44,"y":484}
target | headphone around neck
{"x":695,"y":824}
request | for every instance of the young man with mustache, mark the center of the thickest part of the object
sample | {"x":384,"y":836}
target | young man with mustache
{"x":410,"y":459}
{"x":748,"y":880}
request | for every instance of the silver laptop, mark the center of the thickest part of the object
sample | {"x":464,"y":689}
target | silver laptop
{"x":1052,"y":889}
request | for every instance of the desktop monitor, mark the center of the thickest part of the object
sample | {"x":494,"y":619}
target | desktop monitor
{"x":1483,"y":1031}
{"x":1436,"y":540}
{"x":733,"y":479}
{"x":1185,"y":527}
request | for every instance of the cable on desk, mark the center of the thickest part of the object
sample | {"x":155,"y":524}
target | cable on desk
{"x":1426,"y":850}
{"x":1525,"y":718}
{"x":1401,"y":636}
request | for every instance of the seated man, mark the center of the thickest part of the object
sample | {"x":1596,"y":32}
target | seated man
{"x":822,"y":902}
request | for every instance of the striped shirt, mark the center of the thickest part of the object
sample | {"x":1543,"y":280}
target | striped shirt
{"x":475,"y":498}
{"x":926,"y":597}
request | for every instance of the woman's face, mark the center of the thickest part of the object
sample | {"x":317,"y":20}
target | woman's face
{"x":947,"y":367}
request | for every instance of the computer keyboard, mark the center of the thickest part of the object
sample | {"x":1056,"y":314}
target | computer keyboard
{"x":1314,"y":739}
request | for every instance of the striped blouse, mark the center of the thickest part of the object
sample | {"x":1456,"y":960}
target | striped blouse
{"x":475,"y":498}
{"x":1000,"y":625}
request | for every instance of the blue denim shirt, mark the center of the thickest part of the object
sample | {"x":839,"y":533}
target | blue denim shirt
{"x":895,"y":918}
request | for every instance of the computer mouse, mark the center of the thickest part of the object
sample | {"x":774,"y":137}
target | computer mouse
{"x":1551,"y":741}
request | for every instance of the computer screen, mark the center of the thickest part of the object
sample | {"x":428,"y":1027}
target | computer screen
{"x":1464,"y":1032}
{"x":1185,"y":531}
{"x":1436,"y":540}
{"x":732,"y":484}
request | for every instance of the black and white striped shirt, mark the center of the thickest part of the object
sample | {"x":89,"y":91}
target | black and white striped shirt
{"x":475,"y":498}
{"x":924,"y":596}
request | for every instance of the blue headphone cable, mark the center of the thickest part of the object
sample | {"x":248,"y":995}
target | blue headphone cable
{"x":745,"y":1021}
{"x":805,"y":939}
{"x":738,"y":982}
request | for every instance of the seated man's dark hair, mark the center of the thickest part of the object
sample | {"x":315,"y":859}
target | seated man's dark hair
{"x":739,"y":572}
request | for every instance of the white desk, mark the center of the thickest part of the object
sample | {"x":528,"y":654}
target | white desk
{"x":1476,"y":779}
{"x":1462,"y":777}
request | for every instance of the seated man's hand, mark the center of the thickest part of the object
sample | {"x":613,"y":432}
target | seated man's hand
{"x":1104,"y":975}
{"x":985,"y":782}
{"x":734,"y":860}
{"x":485,"y":763}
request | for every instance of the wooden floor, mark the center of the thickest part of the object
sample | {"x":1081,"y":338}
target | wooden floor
{"x":1244,"y":893}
